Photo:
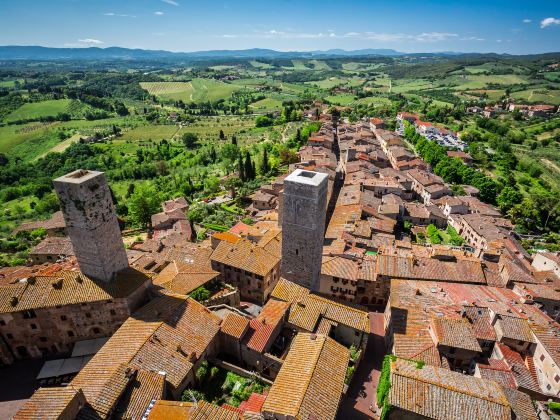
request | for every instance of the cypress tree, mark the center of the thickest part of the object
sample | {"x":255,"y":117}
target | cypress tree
{"x":264,"y":167}
{"x":241,"y":169}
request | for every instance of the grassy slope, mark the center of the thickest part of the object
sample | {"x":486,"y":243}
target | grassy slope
{"x":37,"y":110}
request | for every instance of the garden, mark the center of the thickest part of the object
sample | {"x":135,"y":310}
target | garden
{"x":219,"y":386}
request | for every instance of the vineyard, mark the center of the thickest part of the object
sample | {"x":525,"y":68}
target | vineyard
{"x":197,"y":90}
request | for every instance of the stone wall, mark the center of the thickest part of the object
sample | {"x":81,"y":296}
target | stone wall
{"x":303,"y":227}
{"x":91,"y":222}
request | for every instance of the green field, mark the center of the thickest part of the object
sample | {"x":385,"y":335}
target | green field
{"x":259,"y":65}
{"x":539,"y":95}
{"x":481,"y":81}
{"x":267,"y":104}
{"x":149,"y":132}
{"x":197,"y":90}
{"x":36,"y":110}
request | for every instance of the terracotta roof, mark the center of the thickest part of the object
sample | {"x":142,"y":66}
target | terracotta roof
{"x":523,"y":376}
{"x":234,"y":325}
{"x":340,"y":267}
{"x":308,"y":308}
{"x":515,"y":328}
{"x":52,"y":404}
{"x":259,"y":334}
{"x":439,"y":393}
{"x":183,"y":278}
{"x":67,"y":288}
{"x":145,"y":387}
{"x":53,"y":245}
{"x":247,"y":256}
{"x":521,"y":404}
{"x":227,"y":236}
{"x":168,"y":334}
{"x":310,"y":382}
{"x":497,"y":370}
{"x":479,"y":318}
{"x":254,"y":403}
{"x":177,"y":410}
{"x":56,"y":221}
{"x":461,"y":271}
{"x":455,"y":333}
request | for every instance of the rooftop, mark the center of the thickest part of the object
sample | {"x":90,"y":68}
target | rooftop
{"x":311,"y":380}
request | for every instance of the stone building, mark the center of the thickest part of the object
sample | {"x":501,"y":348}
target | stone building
{"x":92,"y":223}
{"x":303,"y":227}
{"x":45,"y":315}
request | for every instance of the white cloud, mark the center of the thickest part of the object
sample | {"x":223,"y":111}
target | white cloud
{"x":118,"y":15}
{"x":90,"y":41}
{"x":171,"y":2}
{"x":423,"y":37}
{"x":498,"y":41}
{"x":527,"y":20}
{"x":434,"y":36}
{"x":549,"y":22}
{"x":158,"y":13}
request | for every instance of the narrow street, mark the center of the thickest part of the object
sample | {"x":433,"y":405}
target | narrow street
{"x":362,"y":391}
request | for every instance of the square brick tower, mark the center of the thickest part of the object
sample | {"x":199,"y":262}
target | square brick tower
{"x":91,"y":222}
{"x":304,"y":208}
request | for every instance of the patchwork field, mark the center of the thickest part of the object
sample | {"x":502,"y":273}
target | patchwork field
{"x":539,"y":95}
{"x":37,"y":110}
{"x":197,"y":90}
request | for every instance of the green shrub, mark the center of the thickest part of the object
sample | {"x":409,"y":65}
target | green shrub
{"x":202,"y":372}
{"x":189,"y":394}
{"x":554,"y":407}
{"x":384,"y":385}
{"x":200,"y":294}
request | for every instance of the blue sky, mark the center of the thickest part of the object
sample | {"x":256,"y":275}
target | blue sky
{"x":187,"y":25}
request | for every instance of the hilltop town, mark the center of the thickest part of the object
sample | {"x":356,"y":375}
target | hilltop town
{"x":360,"y":284}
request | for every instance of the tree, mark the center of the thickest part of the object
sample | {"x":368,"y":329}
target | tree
{"x":264,"y":167}
{"x":234,"y":140}
{"x":241,"y":169}
{"x":232,"y":183}
{"x":249,"y":168}
{"x":508,"y":198}
{"x":200,"y":294}
{"x":264,"y":121}
{"x":143,"y":204}
{"x":190,"y":140}
{"x":222,"y":135}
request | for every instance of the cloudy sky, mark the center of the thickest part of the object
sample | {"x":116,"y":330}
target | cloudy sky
{"x":512,"y":26}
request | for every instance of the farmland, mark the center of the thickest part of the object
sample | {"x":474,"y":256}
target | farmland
{"x":179,"y":129}
{"x":36,"y":110}
{"x":197,"y":90}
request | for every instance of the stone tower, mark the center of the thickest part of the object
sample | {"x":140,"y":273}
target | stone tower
{"x":92,"y":223}
{"x":304,"y":208}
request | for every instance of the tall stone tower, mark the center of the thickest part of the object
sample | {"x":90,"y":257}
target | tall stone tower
{"x":92,"y":223}
{"x":304,"y":208}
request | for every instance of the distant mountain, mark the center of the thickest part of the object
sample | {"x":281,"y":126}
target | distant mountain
{"x":113,"y":53}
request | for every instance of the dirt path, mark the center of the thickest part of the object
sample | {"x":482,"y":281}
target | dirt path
{"x":551,"y":165}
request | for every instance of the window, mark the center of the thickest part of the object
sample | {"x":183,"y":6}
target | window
{"x":33,"y":326}
{"x":70,"y":333}
{"x":63,"y":317}
{"x":297,"y":251}
{"x":542,"y":357}
{"x":112,"y":312}
{"x":10,"y":336}
{"x":88,"y":315}
{"x":557,"y":378}
{"x":2,"y":322}
{"x":96,"y":331}
{"x":43,"y":339}
{"x":356,"y":333}
{"x":29,"y":314}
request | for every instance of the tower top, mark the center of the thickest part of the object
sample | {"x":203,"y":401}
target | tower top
{"x":79,"y":176}
{"x":301,"y":176}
